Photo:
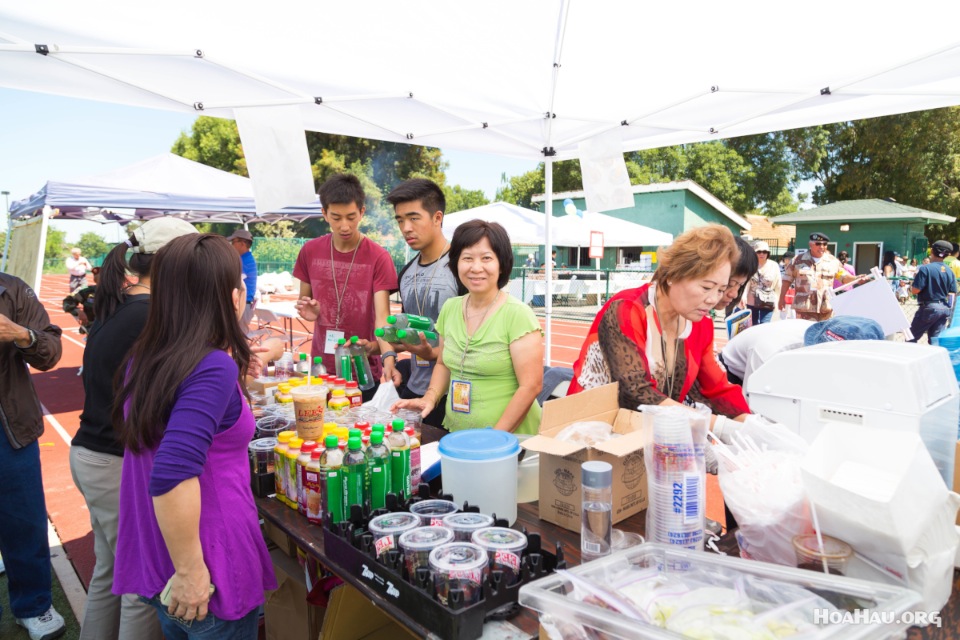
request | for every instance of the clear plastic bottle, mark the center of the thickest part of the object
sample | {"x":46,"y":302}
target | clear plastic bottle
{"x":399,"y":460}
{"x":303,"y":460}
{"x":331,"y":480}
{"x":414,"y":457}
{"x":342,"y":358}
{"x":284,"y":366}
{"x":411,"y":336}
{"x":408,"y":320}
{"x":303,"y":366}
{"x":318,"y":370}
{"x":378,"y":470}
{"x":361,"y":365}
{"x":388,"y":333}
{"x":355,"y":466}
{"x":353,"y":393}
{"x":597,"y":509}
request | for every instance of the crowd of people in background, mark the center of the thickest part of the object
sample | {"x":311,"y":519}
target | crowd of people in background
{"x":160,"y":456}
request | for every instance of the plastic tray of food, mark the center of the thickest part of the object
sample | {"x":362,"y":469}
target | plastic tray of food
{"x":657,"y":591}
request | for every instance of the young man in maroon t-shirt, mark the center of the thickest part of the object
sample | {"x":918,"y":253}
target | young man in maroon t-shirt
{"x":346,"y":279}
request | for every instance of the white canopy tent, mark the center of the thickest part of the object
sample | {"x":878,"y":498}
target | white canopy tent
{"x":574,"y":231}
{"x":525,"y":226}
{"x":524,"y":79}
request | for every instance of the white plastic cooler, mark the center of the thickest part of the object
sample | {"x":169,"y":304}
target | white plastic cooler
{"x":874,"y":383}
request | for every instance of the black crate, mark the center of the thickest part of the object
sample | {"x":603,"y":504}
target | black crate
{"x":350,"y":546}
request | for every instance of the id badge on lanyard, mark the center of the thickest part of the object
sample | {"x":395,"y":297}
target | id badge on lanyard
{"x":460,"y":391}
{"x":330,"y":344}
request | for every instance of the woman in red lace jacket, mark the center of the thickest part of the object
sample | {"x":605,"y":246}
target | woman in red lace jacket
{"x":657,"y":340}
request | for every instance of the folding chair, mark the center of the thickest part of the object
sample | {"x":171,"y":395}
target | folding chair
{"x":265,"y":327}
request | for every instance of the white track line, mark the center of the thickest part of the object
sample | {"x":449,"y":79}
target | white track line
{"x":56,"y":425}
{"x":66,"y":574}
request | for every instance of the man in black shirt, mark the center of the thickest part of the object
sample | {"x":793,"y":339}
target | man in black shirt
{"x":931,"y":285}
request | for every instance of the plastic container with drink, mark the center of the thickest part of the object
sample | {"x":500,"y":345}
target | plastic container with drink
{"x":417,"y":544}
{"x":309,"y":405}
{"x":388,"y":527}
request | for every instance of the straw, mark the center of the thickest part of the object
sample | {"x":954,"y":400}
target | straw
{"x":816,"y":528}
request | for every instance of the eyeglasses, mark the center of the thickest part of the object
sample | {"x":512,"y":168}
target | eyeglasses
{"x":764,"y":252}
{"x":822,"y":244}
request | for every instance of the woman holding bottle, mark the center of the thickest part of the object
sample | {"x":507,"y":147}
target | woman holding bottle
{"x":187,"y":517}
{"x":491,"y":351}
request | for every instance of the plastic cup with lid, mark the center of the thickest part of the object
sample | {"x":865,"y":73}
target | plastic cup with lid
{"x":459,"y":565}
{"x":504,"y":548}
{"x":480,"y":466}
{"x":432,"y":512}
{"x":417,"y":544}
{"x":387,"y":528}
{"x":465,"y":523}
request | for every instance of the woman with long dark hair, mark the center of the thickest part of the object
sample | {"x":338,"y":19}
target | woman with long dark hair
{"x":187,"y":517}
{"x":96,"y":456}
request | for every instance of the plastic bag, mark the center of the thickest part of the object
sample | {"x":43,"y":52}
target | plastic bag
{"x":385,"y":397}
{"x":586,"y":433}
{"x":763,"y":487}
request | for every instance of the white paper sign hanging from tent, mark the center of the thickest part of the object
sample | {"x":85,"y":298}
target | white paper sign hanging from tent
{"x":606,"y":184}
{"x":596,"y":244}
{"x":275,"y":146}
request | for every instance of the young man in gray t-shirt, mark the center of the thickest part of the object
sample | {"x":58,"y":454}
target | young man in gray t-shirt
{"x":426,"y":282}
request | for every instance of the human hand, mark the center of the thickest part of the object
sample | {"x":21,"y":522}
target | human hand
{"x":308,"y":308}
{"x":423,"y":405}
{"x":724,"y":428}
{"x":423,"y":350}
{"x":255,"y":366}
{"x":390,"y":373}
{"x":189,"y":593}
{"x":10,"y":331}
{"x":372,"y":347}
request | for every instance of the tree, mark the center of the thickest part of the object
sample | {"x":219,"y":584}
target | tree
{"x":460,"y":199}
{"x":93,"y":245}
{"x":56,"y":246}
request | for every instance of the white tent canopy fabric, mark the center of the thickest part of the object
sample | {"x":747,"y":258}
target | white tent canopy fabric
{"x":161,"y":185}
{"x":574,"y":231}
{"x":525,"y":226}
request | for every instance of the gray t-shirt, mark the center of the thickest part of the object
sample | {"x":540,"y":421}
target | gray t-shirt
{"x":424,"y":289}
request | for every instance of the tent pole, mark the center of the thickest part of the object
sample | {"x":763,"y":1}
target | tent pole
{"x":6,"y":242}
{"x":547,"y":258}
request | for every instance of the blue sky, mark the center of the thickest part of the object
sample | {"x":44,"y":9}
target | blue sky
{"x":46,"y":137}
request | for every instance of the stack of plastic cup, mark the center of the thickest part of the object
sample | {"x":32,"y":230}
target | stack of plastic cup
{"x":676,"y":485}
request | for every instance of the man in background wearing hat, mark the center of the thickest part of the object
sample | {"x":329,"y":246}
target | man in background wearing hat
{"x":812,"y":274}
{"x":242,"y":240}
{"x":931,"y":285}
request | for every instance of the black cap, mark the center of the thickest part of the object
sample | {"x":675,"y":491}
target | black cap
{"x":816,"y":236}
{"x":942,"y":248}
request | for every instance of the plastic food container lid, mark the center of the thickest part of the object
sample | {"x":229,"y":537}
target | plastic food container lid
{"x":425,"y":538}
{"x":499,"y":539}
{"x":459,"y":557}
{"x":263,"y":444}
{"x":393,"y":523}
{"x":479,"y":444}
{"x":433,"y":508}
{"x":467,"y":521}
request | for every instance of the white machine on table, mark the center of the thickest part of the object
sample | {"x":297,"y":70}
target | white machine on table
{"x":875,"y":383}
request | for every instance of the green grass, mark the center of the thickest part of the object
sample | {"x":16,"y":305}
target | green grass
{"x":10,"y":630}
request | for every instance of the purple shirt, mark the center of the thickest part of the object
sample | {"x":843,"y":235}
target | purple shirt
{"x":210,"y":422}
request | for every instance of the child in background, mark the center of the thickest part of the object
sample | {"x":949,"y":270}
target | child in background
{"x":903,"y":291}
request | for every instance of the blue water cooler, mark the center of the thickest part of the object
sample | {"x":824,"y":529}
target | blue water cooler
{"x":949,"y":339}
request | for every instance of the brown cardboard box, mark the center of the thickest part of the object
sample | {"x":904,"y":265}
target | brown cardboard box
{"x":286,"y":613}
{"x":352,"y":616}
{"x":276,"y":535}
{"x":560,"y":461}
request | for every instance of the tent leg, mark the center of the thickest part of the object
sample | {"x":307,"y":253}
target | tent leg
{"x":547,"y":262}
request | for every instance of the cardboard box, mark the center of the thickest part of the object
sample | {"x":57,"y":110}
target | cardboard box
{"x":277,"y":536}
{"x":560,"y":461}
{"x":287,"y":615}
{"x":352,"y":616}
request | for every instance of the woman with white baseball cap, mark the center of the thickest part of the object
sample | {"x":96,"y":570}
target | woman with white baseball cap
{"x":96,"y":456}
{"x":763,"y":289}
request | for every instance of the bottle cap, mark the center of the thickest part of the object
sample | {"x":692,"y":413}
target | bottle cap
{"x":339,"y":381}
{"x":354,"y":339}
{"x":339,"y":393}
{"x":315,"y":454}
{"x":410,"y":431}
{"x":303,"y":356}
{"x":284,"y":388}
{"x":379,"y":427}
{"x":378,"y":332}
{"x":362,"y":425}
{"x":317,"y":359}
{"x":392,"y":319}
{"x":308,"y":446}
{"x":296,"y":443}
{"x":402,"y":333}
{"x":596,"y":474}
{"x":332,"y":441}
{"x":397,"y":425}
{"x":284,"y":437}
{"x":352,"y":384}
{"x":354,"y":444}
{"x":376,"y":437}
{"x":355,"y":433}
{"x":342,"y":341}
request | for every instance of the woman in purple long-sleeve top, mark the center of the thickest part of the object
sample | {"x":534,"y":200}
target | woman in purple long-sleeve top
{"x":186,"y":510}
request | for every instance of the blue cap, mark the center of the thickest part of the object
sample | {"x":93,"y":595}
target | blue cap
{"x":843,"y":328}
{"x":479,"y":444}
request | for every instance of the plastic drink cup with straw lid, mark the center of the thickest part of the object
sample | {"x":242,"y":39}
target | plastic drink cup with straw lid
{"x":309,"y":405}
{"x":417,"y":544}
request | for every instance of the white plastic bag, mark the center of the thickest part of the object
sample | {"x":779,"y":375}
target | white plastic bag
{"x":762,"y":485}
{"x":586,"y":433}
{"x":385,"y":397}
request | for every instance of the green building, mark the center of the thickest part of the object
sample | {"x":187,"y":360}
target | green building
{"x":866,"y":229}
{"x":673,"y":207}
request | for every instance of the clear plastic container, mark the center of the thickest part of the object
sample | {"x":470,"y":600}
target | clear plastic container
{"x":388,"y":527}
{"x":417,"y":544}
{"x":464,"y":524}
{"x":504,"y":548}
{"x":480,"y":466}
{"x":432,"y":512}
{"x":774,"y":593}
{"x":459,"y":565}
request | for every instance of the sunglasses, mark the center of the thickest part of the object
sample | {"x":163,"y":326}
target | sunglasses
{"x":822,"y":244}
{"x":765,"y":252}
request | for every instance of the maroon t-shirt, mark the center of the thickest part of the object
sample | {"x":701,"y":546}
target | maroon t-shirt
{"x":372,"y":271}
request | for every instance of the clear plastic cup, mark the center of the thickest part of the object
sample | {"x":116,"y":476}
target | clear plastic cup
{"x":504,"y":548}
{"x":432,"y":512}
{"x":388,"y":527}
{"x":834,"y":556}
{"x":270,"y":426}
{"x":417,"y":544}
{"x":310,"y":404}
{"x":464,"y":524}
{"x":459,"y":565}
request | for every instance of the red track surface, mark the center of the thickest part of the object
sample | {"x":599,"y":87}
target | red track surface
{"x":61,"y":392}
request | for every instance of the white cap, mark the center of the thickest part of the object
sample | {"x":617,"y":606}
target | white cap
{"x":157,"y":232}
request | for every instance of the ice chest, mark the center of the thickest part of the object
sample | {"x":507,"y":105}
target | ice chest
{"x":560,"y":461}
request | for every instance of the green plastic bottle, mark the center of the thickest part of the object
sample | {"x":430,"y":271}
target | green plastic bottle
{"x":361,"y":364}
{"x":408,"y":320}
{"x":378,"y":470}
{"x":342,"y":358}
{"x":399,"y":460}
{"x":388,"y":333}
{"x":331,"y":479}
{"x":355,"y":465}
{"x":410,"y":336}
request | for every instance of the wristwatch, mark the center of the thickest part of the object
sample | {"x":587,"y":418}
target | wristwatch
{"x":33,"y":340}
{"x":387,"y":355}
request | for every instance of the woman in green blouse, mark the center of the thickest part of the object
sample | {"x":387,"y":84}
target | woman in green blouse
{"x":491,"y":351}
